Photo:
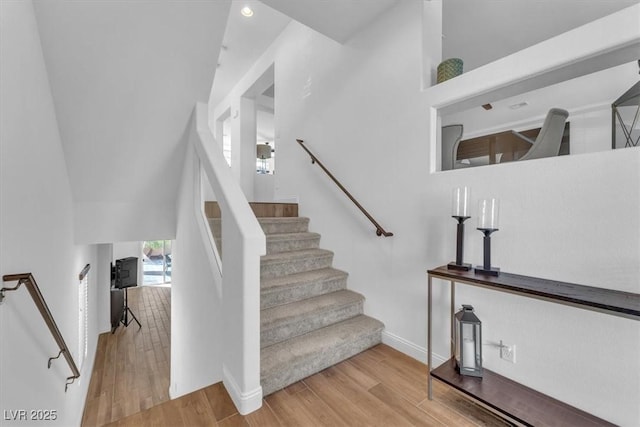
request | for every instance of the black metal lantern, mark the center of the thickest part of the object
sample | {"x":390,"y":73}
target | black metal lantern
{"x":625,"y":118}
{"x":468,"y":342}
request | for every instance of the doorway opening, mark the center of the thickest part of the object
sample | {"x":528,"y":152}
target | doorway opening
{"x":265,"y":132}
{"x":156,"y":262}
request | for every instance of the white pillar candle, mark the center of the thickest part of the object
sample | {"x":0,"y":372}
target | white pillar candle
{"x":488,"y":214}
{"x":460,"y":202}
{"x":468,"y":353}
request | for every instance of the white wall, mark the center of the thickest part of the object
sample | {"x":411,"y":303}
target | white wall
{"x":244,"y":243}
{"x":127,"y":249}
{"x":431,"y":41}
{"x":36,"y":225}
{"x":103,"y":272}
{"x":263,"y":186}
{"x":576,"y":218}
{"x":123,"y":98}
{"x":196,"y":334}
{"x":106,"y":222}
{"x":502,"y":28}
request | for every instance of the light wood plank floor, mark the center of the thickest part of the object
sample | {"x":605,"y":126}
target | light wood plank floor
{"x":379,"y":387}
{"x":131,"y":370}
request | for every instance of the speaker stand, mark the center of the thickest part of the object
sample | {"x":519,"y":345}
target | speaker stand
{"x":125,"y":316}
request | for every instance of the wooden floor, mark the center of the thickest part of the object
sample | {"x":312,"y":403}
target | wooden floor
{"x":379,"y":387}
{"x":131,"y":370}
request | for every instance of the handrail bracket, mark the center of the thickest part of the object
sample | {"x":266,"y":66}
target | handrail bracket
{"x":53,"y":358}
{"x":68,"y":383}
{"x":15,"y":288}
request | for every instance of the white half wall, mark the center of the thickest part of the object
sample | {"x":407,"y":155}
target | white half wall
{"x":196,"y":298}
{"x":36,"y":225}
{"x":360,"y":109}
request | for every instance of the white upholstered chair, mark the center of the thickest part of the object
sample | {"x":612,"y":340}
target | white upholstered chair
{"x":451,"y":136}
{"x":547,"y":143}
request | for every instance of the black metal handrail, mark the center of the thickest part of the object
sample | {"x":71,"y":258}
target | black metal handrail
{"x":29,"y":282}
{"x":379,"y":230}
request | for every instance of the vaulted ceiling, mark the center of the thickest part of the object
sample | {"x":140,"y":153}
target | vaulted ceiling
{"x":125,"y":76}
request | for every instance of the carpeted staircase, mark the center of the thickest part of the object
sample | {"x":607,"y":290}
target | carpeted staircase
{"x":309,"y":320}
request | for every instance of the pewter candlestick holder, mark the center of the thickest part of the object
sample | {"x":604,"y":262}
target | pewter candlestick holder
{"x":458,"y":264}
{"x":460,"y":211}
{"x":488,"y":210}
{"x":486,"y":267}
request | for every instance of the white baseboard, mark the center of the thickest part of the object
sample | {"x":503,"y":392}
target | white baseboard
{"x":173,"y":392}
{"x":246,"y":402}
{"x":410,"y":349}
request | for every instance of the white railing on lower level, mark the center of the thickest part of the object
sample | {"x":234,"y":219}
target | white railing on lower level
{"x":244,"y":243}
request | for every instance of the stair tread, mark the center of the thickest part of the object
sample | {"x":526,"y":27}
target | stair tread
{"x":292,"y":236}
{"x":293,"y":255}
{"x":292,"y":312}
{"x":284,"y":354}
{"x":282,"y":219}
{"x":279,"y":225}
{"x":272,"y":219}
{"x":298,"y":279}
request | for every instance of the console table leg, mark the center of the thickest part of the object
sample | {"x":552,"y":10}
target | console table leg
{"x":429,"y":317}
{"x":452,"y":313}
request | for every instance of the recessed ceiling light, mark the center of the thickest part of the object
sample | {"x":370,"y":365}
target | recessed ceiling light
{"x":246,"y":11}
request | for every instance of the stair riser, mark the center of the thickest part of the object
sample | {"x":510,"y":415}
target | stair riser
{"x":271,"y":298}
{"x":299,"y":326}
{"x":280,"y":246}
{"x":274,"y":247}
{"x":305,"y":366}
{"x":300,"y":225}
{"x":278,"y":269}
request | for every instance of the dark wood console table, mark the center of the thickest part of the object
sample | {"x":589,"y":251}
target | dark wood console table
{"x":508,"y":398}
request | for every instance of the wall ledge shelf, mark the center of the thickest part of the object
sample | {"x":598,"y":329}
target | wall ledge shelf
{"x":513,"y":400}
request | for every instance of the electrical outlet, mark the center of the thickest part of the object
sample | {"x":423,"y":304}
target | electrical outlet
{"x":508,"y":352}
